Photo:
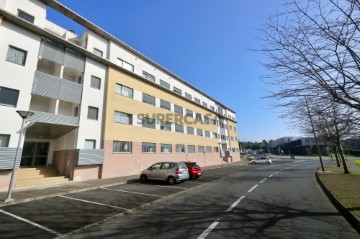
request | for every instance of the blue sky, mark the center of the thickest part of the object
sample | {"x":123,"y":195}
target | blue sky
{"x":205,"y":42}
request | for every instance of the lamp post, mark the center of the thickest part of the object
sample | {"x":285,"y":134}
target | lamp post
{"x":23,"y":115}
{"x":313,"y":129}
{"x":221,"y":156}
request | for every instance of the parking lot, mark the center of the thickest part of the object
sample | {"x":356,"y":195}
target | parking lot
{"x":60,"y":215}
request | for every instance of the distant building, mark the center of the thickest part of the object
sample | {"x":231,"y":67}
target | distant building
{"x":298,"y":145}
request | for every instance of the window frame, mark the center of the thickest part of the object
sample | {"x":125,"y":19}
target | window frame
{"x":148,"y":76}
{"x":5,"y":101}
{"x":93,"y":141}
{"x":6,"y":141}
{"x":191,"y":151}
{"x":97,"y":112}
{"x":119,"y":152}
{"x":119,"y":90}
{"x":95,"y":78}
{"x":162,"y":148}
{"x":26,"y":16}
{"x":129,"y":117}
{"x":183,"y":148}
{"x":147,"y":146}
{"x":8,"y":59}
{"x":150,"y":97}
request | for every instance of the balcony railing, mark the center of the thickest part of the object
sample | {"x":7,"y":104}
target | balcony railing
{"x":90,"y":156}
{"x":56,"y":88}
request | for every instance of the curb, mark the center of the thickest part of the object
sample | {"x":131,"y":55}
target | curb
{"x":347,"y":215}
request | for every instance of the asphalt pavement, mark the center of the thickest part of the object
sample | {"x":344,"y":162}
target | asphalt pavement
{"x":63,"y":190}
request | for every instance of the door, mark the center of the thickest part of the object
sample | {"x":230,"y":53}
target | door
{"x":34,"y":154}
{"x":153,"y":172}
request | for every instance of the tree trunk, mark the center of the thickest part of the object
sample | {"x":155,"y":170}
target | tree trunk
{"x":336,"y":156}
{"x":346,"y":171}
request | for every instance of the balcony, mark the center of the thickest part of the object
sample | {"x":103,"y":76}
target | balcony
{"x":50,"y":126}
{"x":56,"y":88}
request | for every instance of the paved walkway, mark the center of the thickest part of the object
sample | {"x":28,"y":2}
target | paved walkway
{"x":343,"y":190}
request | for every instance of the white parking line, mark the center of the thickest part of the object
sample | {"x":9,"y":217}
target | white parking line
{"x":171,"y":187}
{"x":208,"y":230}
{"x":30,"y":222}
{"x":251,"y":189}
{"x":263,"y":180}
{"x":118,"y":190}
{"x":193,"y":182}
{"x":235,"y":203}
{"x":97,"y":203}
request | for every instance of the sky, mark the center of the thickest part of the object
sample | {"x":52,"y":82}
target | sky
{"x":205,"y":42}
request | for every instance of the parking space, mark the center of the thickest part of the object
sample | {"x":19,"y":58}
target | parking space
{"x":59,"y":215}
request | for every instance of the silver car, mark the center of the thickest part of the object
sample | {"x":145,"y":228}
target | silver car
{"x":171,"y":172}
{"x":261,"y":160}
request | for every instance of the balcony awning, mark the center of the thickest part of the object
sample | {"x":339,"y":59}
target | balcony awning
{"x":48,"y":131}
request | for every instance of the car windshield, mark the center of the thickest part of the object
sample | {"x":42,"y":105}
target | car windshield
{"x":194,"y":165}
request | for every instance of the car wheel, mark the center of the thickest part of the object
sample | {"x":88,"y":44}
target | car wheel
{"x":171,"y":180}
{"x":253,"y":162}
{"x":143,"y":178}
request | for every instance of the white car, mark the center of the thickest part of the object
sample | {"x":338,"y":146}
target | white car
{"x":261,"y":160}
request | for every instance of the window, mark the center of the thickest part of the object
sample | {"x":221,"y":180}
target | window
{"x":165,"y":126}
{"x":148,"y":123}
{"x":214,"y":135}
{"x":179,"y":128}
{"x":198,"y":116}
{"x":4,"y":140}
{"x":148,"y":76}
{"x":122,"y":118}
{"x":26,"y":16}
{"x":95,"y":82}
{"x":177,"y":90}
{"x":216,"y":149}
{"x":234,"y":128}
{"x":148,"y":99}
{"x":189,"y":113}
{"x":166,"y":148}
{"x":207,"y":120}
{"x":191,"y":148}
{"x":188,"y":96}
{"x":165,"y":84}
{"x":208,"y":149}
{"x":180,"y":148}
{"x":204,"y":104}
{"x":190,"y":130}
{"x":122,"y":147}
{"x":178,"y":109}
{"x":8,"y":96}
{"x":148,"y":147}
{"x":196,"y":100}
{"x":90,"y":144}
{"x":16,"y":55}
{"x":199,"y":132}
{"x":125,"y":65}
{"x":207,"y":133}
{"x":200,"y":149}
{"x":98,"y":52}
{"x":124,"y":91}
{"x":165,"y":105}
{"x":212,"y":108}
{"x":93,"y":113}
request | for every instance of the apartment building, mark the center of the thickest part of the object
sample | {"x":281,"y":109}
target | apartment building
{"x":100,"y":108}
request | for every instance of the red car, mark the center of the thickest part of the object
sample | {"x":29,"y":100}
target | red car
{"x":194,"y":170}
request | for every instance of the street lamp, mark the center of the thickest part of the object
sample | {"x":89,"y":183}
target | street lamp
{"x":23,"y":114}
{"x":221,"y":156}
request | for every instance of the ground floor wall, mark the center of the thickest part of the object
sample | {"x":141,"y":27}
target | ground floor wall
{"x":126,"y":164}
{"x":5,"y":176}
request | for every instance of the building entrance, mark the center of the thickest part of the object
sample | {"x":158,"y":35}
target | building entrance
{"x":34,"y":154}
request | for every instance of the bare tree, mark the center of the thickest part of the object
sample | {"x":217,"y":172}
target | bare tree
{"x":313,"y":49}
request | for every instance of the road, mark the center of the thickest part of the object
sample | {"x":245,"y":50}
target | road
{"x":249,"y":201}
